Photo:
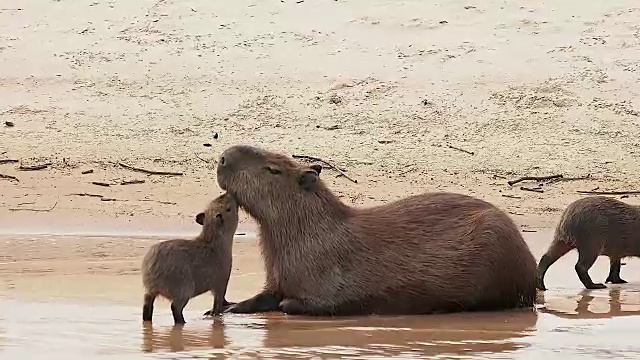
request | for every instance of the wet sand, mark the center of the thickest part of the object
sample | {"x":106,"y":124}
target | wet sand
{"x":80,"y":297}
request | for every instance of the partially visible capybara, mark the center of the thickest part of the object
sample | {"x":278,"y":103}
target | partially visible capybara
{"x":180,"y":270}
{"x":595,"y":225}
{"x":430,"y":253}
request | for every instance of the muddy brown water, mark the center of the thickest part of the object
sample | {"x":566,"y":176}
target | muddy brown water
{"x":70,"y":297}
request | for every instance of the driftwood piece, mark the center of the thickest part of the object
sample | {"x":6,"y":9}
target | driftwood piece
{"x":9,"y":177}
{"x":86,"y":194}
{"x":534,"y":178}
{"x":461,"y":150}
{"x":8,"y":161}
{"x":90,"y":171}
{"x":511,"y":196}
{"x":132,"y":182}
{"x":32,"y":209}
{"x":537,"y":190}
{"x":100,"y":183}
{"x":593,"y":192}
{"x":150,"y":172}
{"x":329,"y":164}
{"x":34,"y":167}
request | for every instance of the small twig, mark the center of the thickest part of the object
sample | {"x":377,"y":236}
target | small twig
{"x":409,"y":169}
{"x":86,"y":194}
{"x":109,"y":199}
{"x":132,"y":182}
{"x":592,"y":192}
{"x":34,"y":167}
{"x":30,"y":209}
{"x":331,"y":165}
{"x":160,"y":202}
{"x":10,"y":177}
{"x":511,"y":196}
{"x":207,"y":161}
{"x":90,"y":171}
{"x":461,"y":150}
{"x":534,"y":178}
{"x":8,"y":161}
{"x":529,"y":231}
{"x":537,"y":190}
{"x":99,"y":183}
{"x":150,"y":172}
{"x":577,"y":178}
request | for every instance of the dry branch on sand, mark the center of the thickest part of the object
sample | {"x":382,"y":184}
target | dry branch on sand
{"x":150,"y":172}
{"x":329,"y":164}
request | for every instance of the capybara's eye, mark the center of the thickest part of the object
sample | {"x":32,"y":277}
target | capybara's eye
{"x":272,"y":170}
{"x":228,"y":209}
{"x":222,"y":160}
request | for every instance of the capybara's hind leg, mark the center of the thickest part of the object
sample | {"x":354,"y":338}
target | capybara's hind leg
{"x":614,"y":271}
{"x":300,"y":307}
{"x":556,"y":250}
{"x":176,"y":308}
{"x":586,"y":258}
{"x":147,"y":308}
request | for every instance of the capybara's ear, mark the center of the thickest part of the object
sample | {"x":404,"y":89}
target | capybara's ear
{"x":200,"y":219}
{"x":308,"y":179}
{"x":317,"y":168}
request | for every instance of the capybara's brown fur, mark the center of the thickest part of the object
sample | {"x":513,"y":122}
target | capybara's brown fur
{"x":180,"y":269}
{"x":430,"y":253}
{"x":595,"y":225}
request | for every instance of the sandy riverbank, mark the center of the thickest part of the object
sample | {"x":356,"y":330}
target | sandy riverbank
{"x":380,"y":89}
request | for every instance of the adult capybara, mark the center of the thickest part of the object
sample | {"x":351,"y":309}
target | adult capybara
{"x":180,"y":270}
{"x":430,"y":253}
{"x":595,"y":225}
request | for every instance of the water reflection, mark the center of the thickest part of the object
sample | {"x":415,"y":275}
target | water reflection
{"x":175,"y":338}
{"x":600,"y":304}
{"x":302,"y":337}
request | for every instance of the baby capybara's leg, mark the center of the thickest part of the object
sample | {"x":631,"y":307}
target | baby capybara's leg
{"x":586,"y":257}
{"x":614,"y":271}
{"x":176,"y":308}
{"x":147,"y":308}
{"x":556,"y":250}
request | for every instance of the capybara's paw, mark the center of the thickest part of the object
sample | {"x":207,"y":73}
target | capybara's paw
{"x":616,"y":281}
{"x":291,"y":306}
{"x":235,"y":309}
{"x":596,"y":286}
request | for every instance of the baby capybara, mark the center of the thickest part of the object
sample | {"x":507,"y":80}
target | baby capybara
{"x":180,"y":270}
{"x":595,"y":225}
{"x":429,"y":253}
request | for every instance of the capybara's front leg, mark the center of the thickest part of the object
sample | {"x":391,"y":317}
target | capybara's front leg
{"x":262,"y":302}
{"x":614,"y":271}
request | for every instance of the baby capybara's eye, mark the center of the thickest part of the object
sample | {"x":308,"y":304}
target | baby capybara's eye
{"x":222,"y":160}
{"x":228,"y":209}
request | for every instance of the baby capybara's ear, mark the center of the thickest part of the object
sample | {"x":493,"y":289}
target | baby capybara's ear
{"x":308,"y":179}
{"x":200,"y":219}
{"x":317,"y":168}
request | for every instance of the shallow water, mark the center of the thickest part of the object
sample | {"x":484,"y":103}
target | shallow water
{"x":75,"y":297}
